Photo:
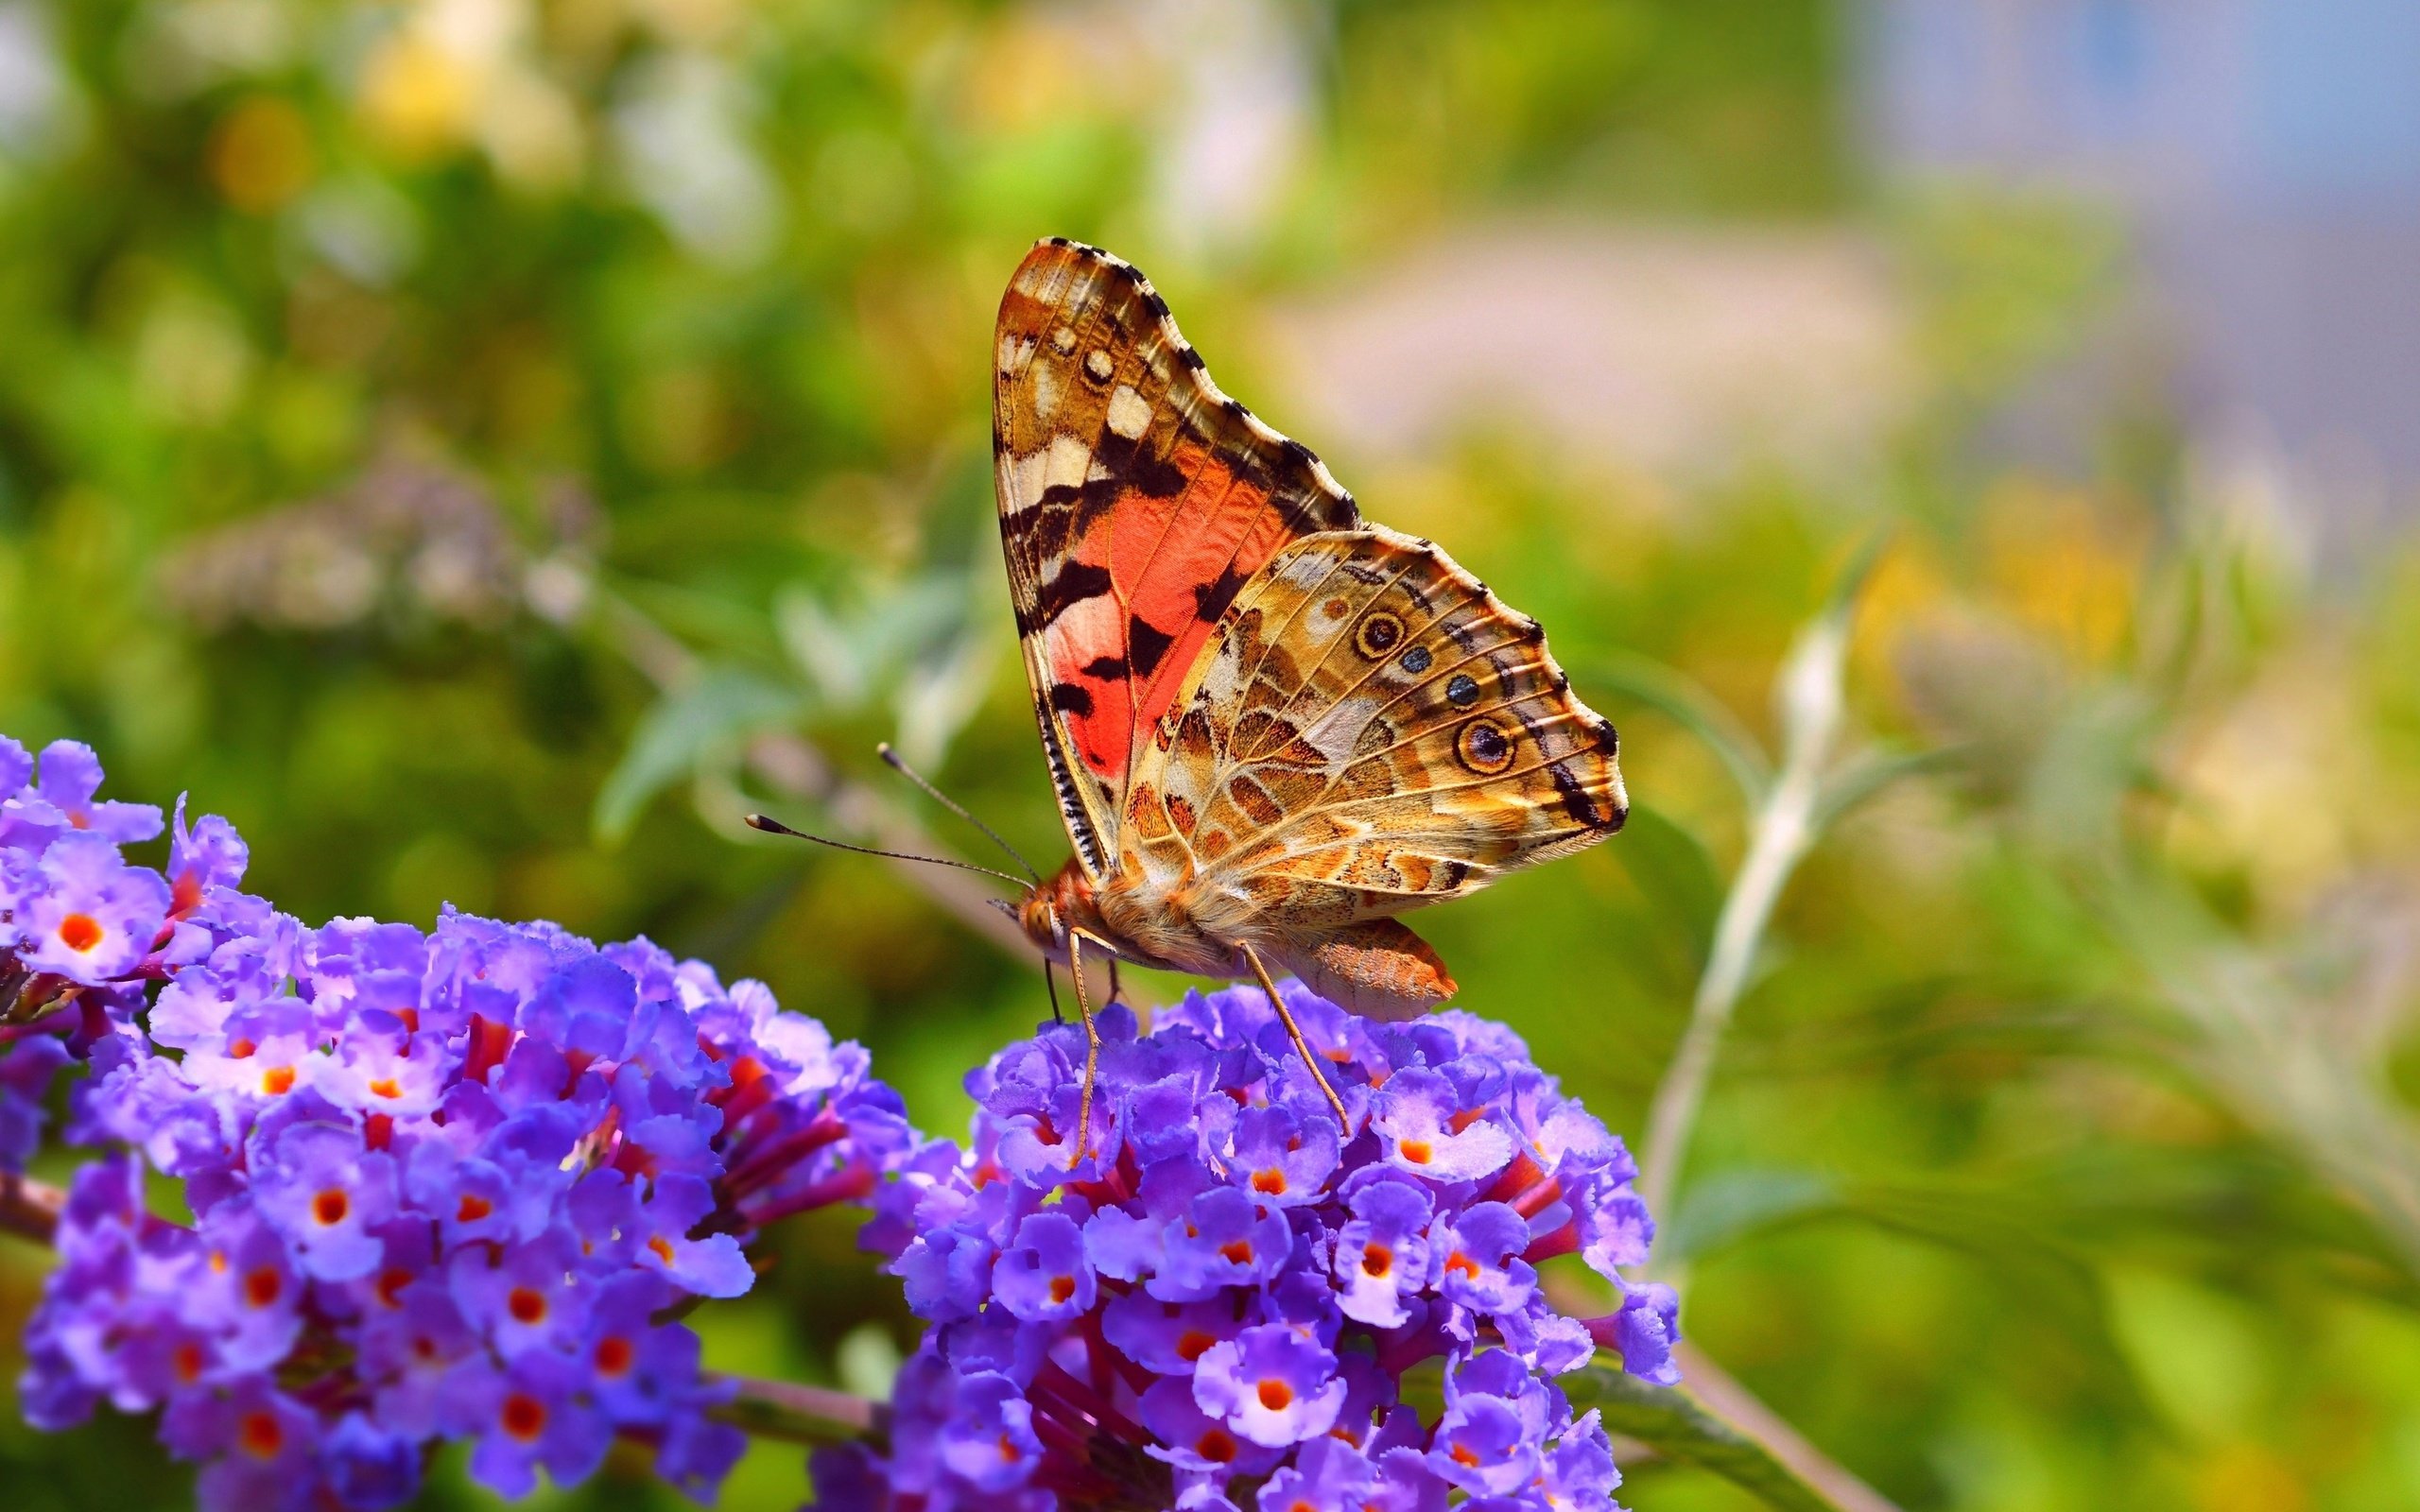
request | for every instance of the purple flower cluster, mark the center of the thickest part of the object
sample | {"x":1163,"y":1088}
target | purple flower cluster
{"x":443,"y":1186}
{"x":80,"y":929}
{"x":1228,"y":1300}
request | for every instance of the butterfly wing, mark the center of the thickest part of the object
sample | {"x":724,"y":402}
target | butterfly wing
{"x":1136,"y":501}
{"x":1369,"y":731}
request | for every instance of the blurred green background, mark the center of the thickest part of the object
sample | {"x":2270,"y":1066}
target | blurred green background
{"x":483,"y":447}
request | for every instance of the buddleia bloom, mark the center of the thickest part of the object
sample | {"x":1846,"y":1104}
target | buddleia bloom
{"x":1220,"y":1302}
{"x":81,"y":929}
{"x":443,"y":1185}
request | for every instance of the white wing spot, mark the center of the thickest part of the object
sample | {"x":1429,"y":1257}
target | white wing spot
{"x":1064,"y":339}
{"x":1129,"y":416}
{"x":1066,"y":461}
{"x":1099,"y":365}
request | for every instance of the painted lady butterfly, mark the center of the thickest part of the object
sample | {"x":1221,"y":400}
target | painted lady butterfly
{"x":1273,"y":727}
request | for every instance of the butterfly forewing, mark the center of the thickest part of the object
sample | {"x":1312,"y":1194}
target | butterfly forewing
{"x":1137,"y":501}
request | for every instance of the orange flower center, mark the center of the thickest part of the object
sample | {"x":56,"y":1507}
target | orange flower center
{"x":1217,"y":1446}
{"x":240,"y":1049}
{"x":1462,"y":1455}
{"x":1272,"y":1181}
{"x":1062,"y":1288}
{"x":1191,"y":1343}
{"x":1276,"y":1395}
{"x":663,"y":1248}
{"x":1462,"y":1263}
{"x":277,"y":1080}
{"x":261,"y":1287}
{"x":1376,"y":1259}
{"x":471,"y":1209}
{"x":188,"y":1363}
{"x":523,"y":1417}
{"x":526,"y":1305}
{"x":391,"y":1284}
{"x":613,"y":1355}
{"x":1417,"y":1151}
{"x":387,"y":1087}
{"x":79,"y":933}
{"x":1237,"y":1251}
{"x":331,"y":1206}
{"x":260,"y":1435}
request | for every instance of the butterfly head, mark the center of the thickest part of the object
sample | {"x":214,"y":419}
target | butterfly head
{"x":1051,"y":910}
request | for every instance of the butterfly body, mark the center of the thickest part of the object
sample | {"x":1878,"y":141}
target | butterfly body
{"x":1143,"y":927}
{"x":1271,"y":726}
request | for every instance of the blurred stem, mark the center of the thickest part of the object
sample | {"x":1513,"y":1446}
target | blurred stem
{"x":798,"y":1414}
{"x":1718,"y":1426}
{"x":798,"y":769}
{"x":1809,"y":691}
{"x":30,"y":1208}
{"x":1718,"y":1389}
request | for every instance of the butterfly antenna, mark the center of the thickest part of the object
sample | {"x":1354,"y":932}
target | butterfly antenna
{"x":898,"y":765}
{"x":773,"y":826}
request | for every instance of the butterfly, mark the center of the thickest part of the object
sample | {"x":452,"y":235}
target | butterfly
{"x":1271,"y":726}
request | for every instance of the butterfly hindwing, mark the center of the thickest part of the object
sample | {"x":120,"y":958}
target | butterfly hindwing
{"x":1369,"y":731}
{"x":1137,"y":501}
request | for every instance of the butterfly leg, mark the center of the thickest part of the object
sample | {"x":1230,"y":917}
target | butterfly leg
{"x":1302,"y":1046}
{"x":1051,"y":985}
{"x":1092,"y":1049}
{"x":1116,"y":991}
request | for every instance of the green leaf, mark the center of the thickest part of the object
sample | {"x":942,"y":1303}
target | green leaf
{"x":705,"y":721}
{"x":1842,"y":601}
{"x":1674,"y":695}
{"x":1675,"y":871}
{"x":2047,"y":1280}
{"x":1723,"y":1208}
{"x":1675,"y":1425}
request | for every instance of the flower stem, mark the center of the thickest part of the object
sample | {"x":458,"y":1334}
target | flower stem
{"x":800,"y":1414}
{"x":1733,"y":1402}
{"x":1810,"y":700}
{"x":30,"y":1208}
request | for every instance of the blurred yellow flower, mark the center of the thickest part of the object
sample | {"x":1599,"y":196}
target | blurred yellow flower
{"x":1907,"y":591}
{"x":416,"y":97}
{"x":533,"y":131}
{"x":2054,"y":558}
{"x":260,"y":154}
{"x":1041,"y":69}
{"x":2285,"y":782}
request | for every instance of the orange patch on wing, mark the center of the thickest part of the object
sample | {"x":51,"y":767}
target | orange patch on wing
{"x":1164,"y":557}
{"x":1227,"y":530}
